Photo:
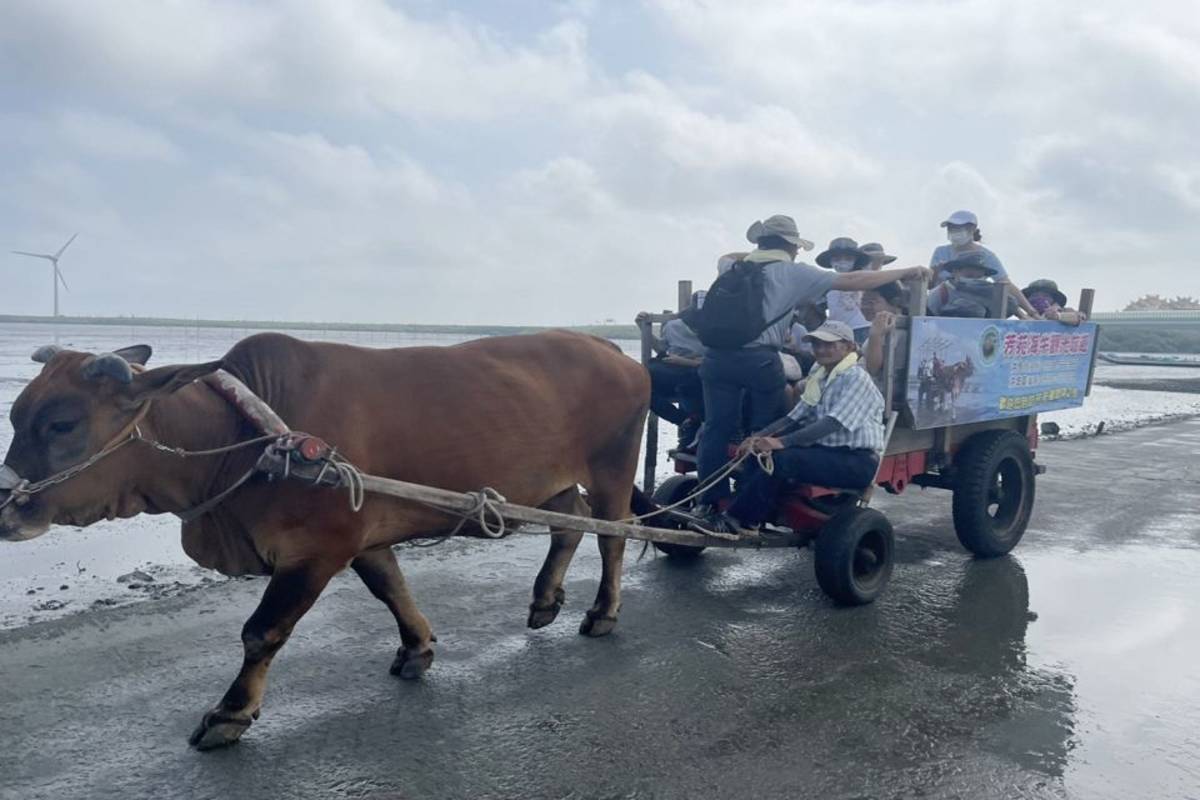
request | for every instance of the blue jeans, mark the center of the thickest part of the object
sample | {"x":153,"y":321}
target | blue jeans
{"x":727,"y":375}
{"x":671,"y":384}
{"x":831,"y":467}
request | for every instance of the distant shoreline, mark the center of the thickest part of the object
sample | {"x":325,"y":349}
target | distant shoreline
{"x":606,"y":331}
{"x":1147,"y":337}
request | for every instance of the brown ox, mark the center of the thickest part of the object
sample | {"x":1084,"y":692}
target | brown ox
{"x":534,"y":417}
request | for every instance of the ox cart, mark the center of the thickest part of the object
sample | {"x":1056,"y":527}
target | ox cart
{"x":961,"y":400}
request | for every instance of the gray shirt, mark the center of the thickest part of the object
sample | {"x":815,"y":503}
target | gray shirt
{"x":785,"y":286}
{"x":681,"y":340}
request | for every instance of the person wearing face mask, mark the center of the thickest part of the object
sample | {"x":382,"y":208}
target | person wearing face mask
{"x":844,"y":256}
{"x":962,"y":231}
{"x":1044,"y":296}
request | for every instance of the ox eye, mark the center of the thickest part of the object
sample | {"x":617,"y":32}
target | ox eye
{"x":63,"y":427}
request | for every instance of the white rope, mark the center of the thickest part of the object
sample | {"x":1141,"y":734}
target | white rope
{"x":485,"y":506}
{"x":765,"y":460}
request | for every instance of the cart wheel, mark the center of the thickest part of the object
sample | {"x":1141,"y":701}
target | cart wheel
{"x":672,"y":490}
{"x":853,"y":556}
{"x":993,"y":492}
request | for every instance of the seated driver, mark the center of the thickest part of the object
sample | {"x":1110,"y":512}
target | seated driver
{"x":832,"y":438}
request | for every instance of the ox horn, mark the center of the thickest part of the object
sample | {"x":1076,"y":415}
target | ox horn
{"x":46,"y":352}
{"x":108,"y":365}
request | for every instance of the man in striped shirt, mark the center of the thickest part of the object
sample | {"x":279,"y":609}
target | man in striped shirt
{"x":833,"y":437}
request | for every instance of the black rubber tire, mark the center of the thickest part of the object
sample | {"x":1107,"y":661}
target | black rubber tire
{"x":994,"y":488}
{"x":854,"y":555}
{"x":671,"y":491}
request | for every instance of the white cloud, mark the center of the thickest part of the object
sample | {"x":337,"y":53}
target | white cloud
{"x":355,"y":160}
{"x":107,"y":136}
{"x":317,"y":56}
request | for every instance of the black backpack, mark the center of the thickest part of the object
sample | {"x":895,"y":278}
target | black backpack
{"x":732,"y":314}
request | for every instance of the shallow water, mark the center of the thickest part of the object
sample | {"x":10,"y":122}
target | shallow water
{"x":88,"y":562}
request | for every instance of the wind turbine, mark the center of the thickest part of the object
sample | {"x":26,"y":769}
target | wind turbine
{"x":57,"y":276}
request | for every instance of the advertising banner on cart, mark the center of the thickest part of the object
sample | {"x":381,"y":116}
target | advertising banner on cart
{"x":968,"y":370}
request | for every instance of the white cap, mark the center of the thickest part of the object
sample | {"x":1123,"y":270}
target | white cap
{"x":833,"y":331}
{"x":961,"y":218}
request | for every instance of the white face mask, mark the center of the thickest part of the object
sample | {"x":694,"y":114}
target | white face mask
{"x":842,"y":264}
{"x":959,"y":238}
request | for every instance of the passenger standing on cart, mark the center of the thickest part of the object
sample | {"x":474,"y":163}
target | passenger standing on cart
{"x":833,"y":437}
{"x":744,"y":323}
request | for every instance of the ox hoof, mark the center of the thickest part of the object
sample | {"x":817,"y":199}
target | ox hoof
{"x":411,"y":665}
{"x":540,"y":616}
{"x":218,"y":729}
{"x":596,"y":624}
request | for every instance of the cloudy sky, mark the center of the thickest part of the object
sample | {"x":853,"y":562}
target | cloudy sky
{"x":553,"y":163}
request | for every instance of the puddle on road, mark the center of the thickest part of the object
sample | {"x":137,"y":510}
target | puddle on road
{"x":1123,"y":625}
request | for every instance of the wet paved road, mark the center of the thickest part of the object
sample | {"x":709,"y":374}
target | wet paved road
{"x":1066,"y":670}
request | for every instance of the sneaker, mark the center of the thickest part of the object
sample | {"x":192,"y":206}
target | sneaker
{"x":723,"y":524}
{"x":689,"y":434}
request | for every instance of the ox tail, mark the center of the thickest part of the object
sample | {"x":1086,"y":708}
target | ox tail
{"x":641,"y":505}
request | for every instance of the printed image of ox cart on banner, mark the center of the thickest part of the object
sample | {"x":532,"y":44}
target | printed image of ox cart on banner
{"x":967,"y":370}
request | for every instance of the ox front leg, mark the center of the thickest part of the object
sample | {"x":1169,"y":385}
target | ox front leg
{"x":289,"y":595}
{"x":380,"y":572}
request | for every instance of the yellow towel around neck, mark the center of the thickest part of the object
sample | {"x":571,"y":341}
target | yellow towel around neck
{"x":818,"y":380}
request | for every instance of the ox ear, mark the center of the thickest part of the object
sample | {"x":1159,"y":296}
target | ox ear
{"x":165,"y":380}
{"x":137,"y":354}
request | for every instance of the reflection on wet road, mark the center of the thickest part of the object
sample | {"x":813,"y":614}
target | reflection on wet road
{"x":1067,"y":670}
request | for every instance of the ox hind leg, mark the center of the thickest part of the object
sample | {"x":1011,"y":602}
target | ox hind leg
{"x":548,"y":593}
{"x":379,"y":571}
{"x":609,"y":493}
{"x":289,"y":595}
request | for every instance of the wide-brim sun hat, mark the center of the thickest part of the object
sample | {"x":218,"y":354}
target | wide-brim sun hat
{"x":962,"y":217}
{"x":843,"y":245}
{"x":975,"y":260}
{"x":875,"y":250}
{"x":780,"y":225}
{"x":832,"y":331}
{"x":1046,"y":286}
